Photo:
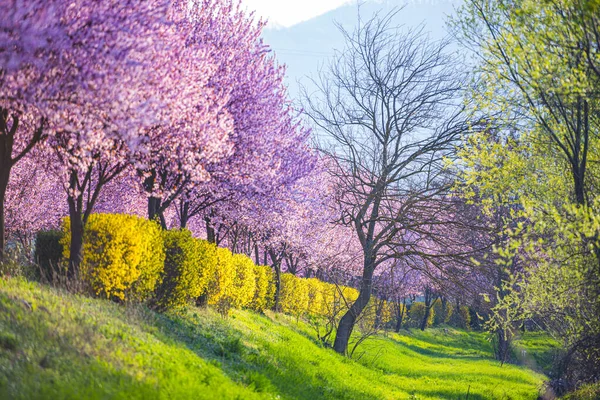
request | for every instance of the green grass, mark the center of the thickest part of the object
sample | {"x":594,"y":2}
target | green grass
{"x":537,"y":351}
{"x":55,"y":345}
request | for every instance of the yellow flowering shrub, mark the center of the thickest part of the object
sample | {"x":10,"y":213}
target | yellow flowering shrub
{"x":123,"y":255}
{"x":294,"y":297}
{"x":244,"y":284}
{"x":315,"y":289}
{"x":386,"y":313}
{"x":151,"y":261}
{"x":221,"y":283}
{"x":264,"y":292}
{"x":189,"y":264}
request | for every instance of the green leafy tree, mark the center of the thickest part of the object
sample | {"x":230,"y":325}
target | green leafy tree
{"x":537,"y":73}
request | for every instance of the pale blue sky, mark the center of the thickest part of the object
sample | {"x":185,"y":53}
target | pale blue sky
{"x":289,"y":12}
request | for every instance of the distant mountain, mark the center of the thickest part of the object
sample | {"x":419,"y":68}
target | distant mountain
{"x":308,"y":45}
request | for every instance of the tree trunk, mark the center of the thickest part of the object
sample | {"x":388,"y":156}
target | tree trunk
{"x":5,"y":167}
{"x":277,"y":268}
{"x":428,"y":304}
{"x":76,"y":245}
{"x":256,"y":254}
{"x":154,"y":203}
{"x":425,"y":318}
{"x":445,"y":315}
{"x":202,"y":300}
{"x":4,"y":176}
{"x":210,"y":231}
{"x":184,"y":214}
{"x":155,"y":212}
{"x":348,"y":320}
{"x":400,"y":310}
{"x":6,"y":162}
{"x":277,"y":305}
{"x":503,"y":348}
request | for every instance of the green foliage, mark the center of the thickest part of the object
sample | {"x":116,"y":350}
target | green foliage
{"x":123,"y":255}
{"x":462,"y":318}
{"x":416,"y":314}
{"x":585,"y":392}
{"x":443,"y":312}
{"x":48,"y":252}
{"x":541,"y":75}
{"x":105,"y":350}
{"x":189,"y":264}
{"x":538,"y":351}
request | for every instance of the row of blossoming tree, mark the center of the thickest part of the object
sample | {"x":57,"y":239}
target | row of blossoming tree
{"x":175,"y":110}
{"x":140,"y":106}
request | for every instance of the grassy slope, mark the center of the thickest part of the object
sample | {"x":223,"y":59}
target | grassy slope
{"x":59,"y":346}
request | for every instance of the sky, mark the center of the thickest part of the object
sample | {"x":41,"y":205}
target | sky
{"x":290,"y":12}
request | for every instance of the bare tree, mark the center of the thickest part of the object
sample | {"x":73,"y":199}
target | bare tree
{"x":389,"y":110}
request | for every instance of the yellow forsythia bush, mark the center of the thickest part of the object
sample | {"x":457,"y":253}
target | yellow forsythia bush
{"x":350,"y":295}
{"x":294,"y":297}
{"x":330,"y":299}
{"x":315,"y":290}
{"x":264,"y":293}
{"x":336,"y":299}
{"x":221,"y":285}
{"x":244,"y":283}
{"x":386,"y":312}
{"x":189,"y":264}
{"x":123,"y":255}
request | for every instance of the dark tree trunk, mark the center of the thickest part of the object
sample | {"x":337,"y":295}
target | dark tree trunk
{"x":202,"y":300}
{"x":184,"y":214}
{"x":398,"y":321}
{"x":277,"y":268}
{"x":155,"y":211}
{"x":210,"y":231}
{"x":4,"y":176}
{"x":6,"y":162}
{"x":444,"y":310}
{"x":256,"y":254}
{"x":277,"y":305}
{"x":578,"y":173}
{"x":346,"y":325}
{"x":503,"y":348}
{"x":76,"y":245}
{"x":429,"y":301}
{"x":425,"y":318}
{"x":400,"y":310}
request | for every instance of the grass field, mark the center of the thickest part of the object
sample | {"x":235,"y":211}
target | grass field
{"x":55,"y":345}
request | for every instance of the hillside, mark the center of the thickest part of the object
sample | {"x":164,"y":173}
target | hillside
{"x":56,"y":345}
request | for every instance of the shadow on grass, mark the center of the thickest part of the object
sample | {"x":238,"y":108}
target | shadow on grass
{"x":440,"y":354}
{"x":271,"y":371}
